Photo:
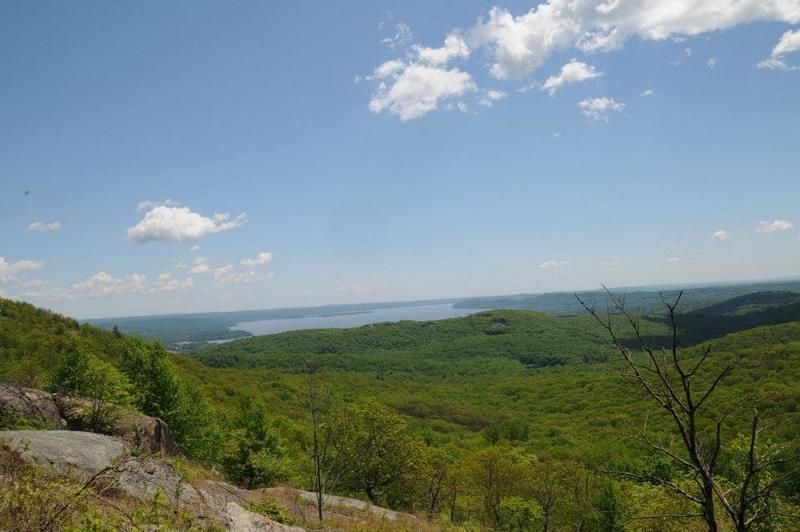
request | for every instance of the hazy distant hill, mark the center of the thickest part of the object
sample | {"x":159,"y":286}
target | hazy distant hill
{"x":644,"y":300}
{"x":176,"y":329}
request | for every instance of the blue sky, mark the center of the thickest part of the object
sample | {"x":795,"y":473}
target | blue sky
{"x":391,"y":150}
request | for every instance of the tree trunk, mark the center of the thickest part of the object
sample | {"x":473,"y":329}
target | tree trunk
{"x":709,"y":511}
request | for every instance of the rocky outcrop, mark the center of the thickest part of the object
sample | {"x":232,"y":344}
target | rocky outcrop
{"x":112,"y":462}
{"x":36,"y":407}
{"x":147,"y":433}
{"x":241,"y":520}
{"x":88,"y":455}
{"x":82,"y":453}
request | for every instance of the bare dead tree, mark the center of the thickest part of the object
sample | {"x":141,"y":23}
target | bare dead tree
{"x":668,"y":378}
{"x":321,"y":438}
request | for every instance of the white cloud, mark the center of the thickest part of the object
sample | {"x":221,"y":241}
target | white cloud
{"x":648,"y":92}
{"x":227,"y":275}
{"x":491,"y":96}
{"x":712,"y":63}
{"x":455,"y":47}
{"x":773,"y":226}
{"x":358,"y":288}
{"x":9,"y":270}
{"x":200,"y":265}
{"x":24,"y":265}
{"x":195,"y":247}
{"x":674,"y":260}
{"x":165,"y":283}
{"x":401,"y":37}
{"x":573,"y":72}
{"x":599,"y":108}
{"x":262,"y":258}
{"x":44,"y":226}
{"x":519,"y":45}
{"x":102,"y":284}
{"x":789,"y":42}
{"x":516,"y":46}
{"x":721,"y":234}
{"x":177,"y":224}
{"x":554,"y":264}
{"x":147,"y":205}
{"x":411,"y":90}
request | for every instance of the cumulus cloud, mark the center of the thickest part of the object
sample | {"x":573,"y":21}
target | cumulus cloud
{"x":774,"y":226}
{"x":9,"y":270}
{"x":44,"y":226}
{"x":178,"y":224}
{"x":573,"y":72}
{"x":599,"y":108}
{"x":721,"y":234}
{"x":491,"y":96}
{"x":454,"y":47}
{"x":410,"y":90}
{"x":788,"y":43}
{"x":102,"y":284}
{"x":265,"y":257}
{"x":648,"y":92}
{"x":517,"y":45}
{"x":520,"y":44}
{"x":554,"y":264}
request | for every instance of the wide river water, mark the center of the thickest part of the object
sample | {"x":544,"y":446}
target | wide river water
{"x":420,"y":313}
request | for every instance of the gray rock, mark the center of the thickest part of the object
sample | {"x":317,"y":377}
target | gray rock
{"x":81,"y":452}
{"x":143,"y":478}
{"x":33,"y":405}
{"x":216,"y":495}
{"x":347,"y":502}
{"x":147,"y":433}
{"x":241,"y":520}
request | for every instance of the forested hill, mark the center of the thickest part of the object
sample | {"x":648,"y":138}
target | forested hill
{"x":642,"y":300}
{"x":532,"y":338}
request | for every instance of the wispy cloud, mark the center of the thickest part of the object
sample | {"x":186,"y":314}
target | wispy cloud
{"x":775,"y":226}
{"x":554,"y":264}
{"x":44,"y":226}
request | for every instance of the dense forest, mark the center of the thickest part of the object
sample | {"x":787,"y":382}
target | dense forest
{"x":506,"y":419}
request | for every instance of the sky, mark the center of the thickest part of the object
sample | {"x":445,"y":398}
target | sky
{"x":190,"y":156}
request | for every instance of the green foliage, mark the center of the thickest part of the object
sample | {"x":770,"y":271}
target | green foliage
{"x":255,"y":455}
{"x":269,"y":507}
{"x":80,"y":374}
{"x":158,"y":391}
{"x":532,"y":339}
{"x":609,"y":505}
{"x":518,"y":514}
{"x":372,"y":451}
